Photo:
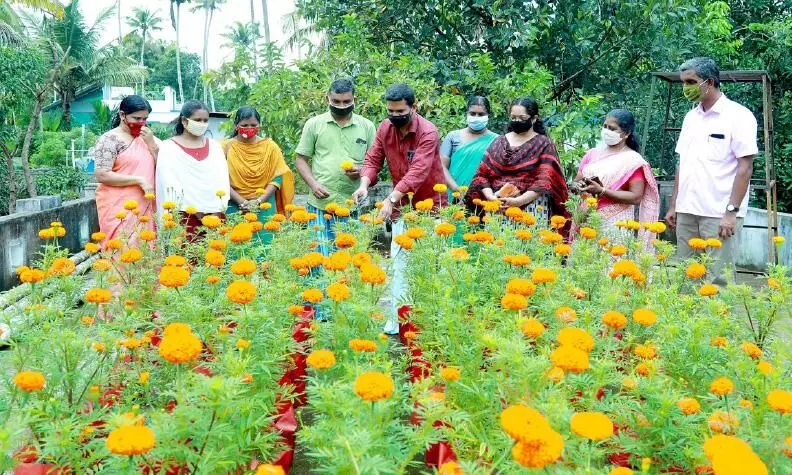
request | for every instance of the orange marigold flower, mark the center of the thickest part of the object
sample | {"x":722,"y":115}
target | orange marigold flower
{"x":614,"y":320}
{"x":62,"y":267}
{"x":425,"y":205}
{"x":29,"y":381}
{"x":514,"y":213}
{"x":555,"y":374}
{"x":594,"y":426}
{"x":405,"y":242}
{"x":415,"y":233}
{"x":473,"y":220}
{"x":147,"y":235}
{"x":522,"y":287}
{"x":372,"y":274}
{"x":175,"y":260}
{"x":514,"y":302}
{"x":751,"y":350}
{"x":746,"y":404}
{"x":780,"y":401}
{"x":520,"y":422}
{"x":575,"y":337}
{"x":562,"y":249}
{"x":98,"y":296}
{"x":523,"y":234}
{"x":296,"y":310}
{"x":765,"y":368}
{"x":312,"y":295}
{"x":32,"y":276}
{"x":708,"y":290}
{"x":721,"y":386}
{"x":445,"y":229}
{"x":566,"y":314}
{"x":173,"y":277}
{"x":449,"y":373}
{"x":644,"y":316}
{"x":450,"y":468}
{"x":532,"y":328}
{"x":648,"y":352}
{"x":269,"y":469}
{"x":543,"y":449}
{"x":459,"y":254}
{"x":557,"y":222}
{"x":570,"y":358}
{"x":359,"y":345}
{"x":338,"y":292}
{"x":588,"y":233}
{"x":243,"y":267}
{"x":321,"y":359}
{"x":618,"y":250}
{"x":212,"y":279}
{"x":719,"y":342}
{"x":723,"y":422}
{"x":373,"y":386}
{"x":549,"y":237}
{"x":774,"y":283}
{"x":114,"y":244}
{"x":624,"y":268}
{"x":130,"y":440}
{"x":695,"y":271}
{"x":211,"y":221}
{"x":131,"y":255}
{"x":98,"y":347}
{"x":361,"y":258}
{"x":241,"y":292}
{"x":541,"y":275}
{"x":180,"y":348}
{"x":314,"y":259}
{"x":697,"y":243}
{"x":98,"y":236}
{"x":345,"y":240}
{"x":242,"y":232}
{"x":214,"y":258}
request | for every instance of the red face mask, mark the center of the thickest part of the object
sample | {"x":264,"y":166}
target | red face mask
{"x":248,"y":132}
{"x":135,"y":127}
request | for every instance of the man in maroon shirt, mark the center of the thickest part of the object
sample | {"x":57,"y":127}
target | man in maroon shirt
{"x":411,"y":146}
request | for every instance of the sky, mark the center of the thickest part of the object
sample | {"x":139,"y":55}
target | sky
{"x":192,"y":24}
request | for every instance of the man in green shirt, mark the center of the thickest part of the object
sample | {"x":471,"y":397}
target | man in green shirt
{"x":329,"y":140}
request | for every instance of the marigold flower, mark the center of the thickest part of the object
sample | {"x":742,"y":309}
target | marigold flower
{"x":338,"y":292}
{"x":723,"y":422}
{"x":520,"y":421}
{"x":532,"y":328}
{"x":321,"y":359}
{"x":373,"y":386}
{"x":557,"y":222}
{"x":312,"y":295}
{"x":746,"y":404}
{"x":577,"y":338}
{"x":143,"y":377}
{"x":688,"y":406}
{"x":620,"y":471}
{"x":87,"y":320}
{"x":61,"y":267}
{"x":405,"y":242}
{"x":180,"y":348}
{"x":765,"y":368}
{"x":449,"y":373}
{"x":780,"y":401}
{"x":98,"y":296}
{"x":313,"y":259}
{"x":624,"y":268}
{"x":788,"y":447}
{"x":450,"y":468}
{"x":114,"y":244}
{"x":521,"y":287}
{"x":541,"y":275}
{"x":459,"y":254}
{"x":342,"y":212}
{"x":721,"y":386}
{"x":695,"y":271}
{"x":594,"y":426}
{"x":697,"y":243}
{"x":544,"y":448}
{"x":29,"y":381}
{"x":32,"y":276}
{"x":570,"y":358}
{"x":523,"y":234}
{"x":243,"y":267}
{"x":647,"y":352}
{"x":175,"y":260}
{"x":614,"y":320}
{"x":242,"y":232}
{"x":372,"y":274}
{"x":656,"y":227}
{"x":214,"y":258}
{"x":708,"y":290}
{"x":445,"y":229}
{"x":173,"y":277}
{"x":211,"y":221}
{"x":549,"y":237}
{"x":751,"y":350}
{"x":242,"y":344}
{"x":644,"y":316}
{"x":131,"y":256}
{"x":241,"y":292}
{"x":147,"y":235}
{"x":588,"y":233}
{"x":425,"y":205}
{"x":98,"y":236}
{"x":724,"y":444}
{"x":719,"y":342}
{"x":130,"y":440}
{"x":514,"y":302}
{"x":98,"y":347}
{"x":440,"y":188}
{"x":269,"y":469}
{"x":562,"y":249}
{"x":359,"y":345}
{"x":618,"y":250}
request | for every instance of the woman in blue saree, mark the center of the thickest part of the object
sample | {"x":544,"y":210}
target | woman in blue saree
{"x":463,"y":149}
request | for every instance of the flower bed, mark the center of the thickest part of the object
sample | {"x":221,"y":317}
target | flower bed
{"x":517,"y":350}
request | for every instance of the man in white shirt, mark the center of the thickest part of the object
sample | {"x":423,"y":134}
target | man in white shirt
{"x":716,"y":149}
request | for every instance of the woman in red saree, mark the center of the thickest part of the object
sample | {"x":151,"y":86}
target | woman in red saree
{"x":626,"y":179}
{"x":521,"y":169}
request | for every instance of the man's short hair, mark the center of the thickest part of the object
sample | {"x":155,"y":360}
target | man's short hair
{"x":400,"y":92}
{"x":342,"y":86}
{"x":705,"y":68}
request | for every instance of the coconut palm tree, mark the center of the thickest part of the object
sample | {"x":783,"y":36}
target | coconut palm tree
{"x":298,"y":32}
{"x":265,"y":21}
{"x":10,"y":25}
{"x":254,"y":25}
{"x":143,"y":21}
{"x":209,"y":7}
{"x":175,"y":15}
{"x":240,"y":36}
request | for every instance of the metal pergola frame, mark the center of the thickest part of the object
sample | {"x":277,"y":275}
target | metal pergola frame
{"x":768,"y":183}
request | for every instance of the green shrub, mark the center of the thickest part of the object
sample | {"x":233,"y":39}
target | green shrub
{"x":65,"y":181}
{"x":50,"y":152}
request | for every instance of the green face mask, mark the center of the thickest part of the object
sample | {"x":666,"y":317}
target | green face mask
{"x":692,"y":92}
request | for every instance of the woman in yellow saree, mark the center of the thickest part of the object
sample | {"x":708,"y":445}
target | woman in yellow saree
{"x":261,"y":182}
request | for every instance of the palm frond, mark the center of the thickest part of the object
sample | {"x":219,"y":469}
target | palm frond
{"x":9,"y":36}
{"x":50,"y":6}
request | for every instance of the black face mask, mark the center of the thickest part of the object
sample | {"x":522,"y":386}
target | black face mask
{"x":342,"y":111}
{"x":400,"y":121}
{"x":520,"y":126}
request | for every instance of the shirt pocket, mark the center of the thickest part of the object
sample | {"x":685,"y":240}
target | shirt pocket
{"x":717,"y":146}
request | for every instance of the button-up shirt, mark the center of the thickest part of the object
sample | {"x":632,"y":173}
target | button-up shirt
{"x":709,"y":146}
{"x":413,"y":160}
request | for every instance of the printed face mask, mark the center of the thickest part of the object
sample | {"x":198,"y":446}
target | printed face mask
{"x":693,"y":92}
{"x":135,"y":127}
{"x":247,"y":132}
{"x":196,"y":128}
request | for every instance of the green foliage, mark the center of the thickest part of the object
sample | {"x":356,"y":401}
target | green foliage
{"x":65,"y":181}
{"x":5,"y":190}
{"x":21,"y":70}
{"x":50,"y":152}
{"x":160,"y":60}
{"x":51,"y":121}
{"x":103,"y":118}
{"x":162,"y":131}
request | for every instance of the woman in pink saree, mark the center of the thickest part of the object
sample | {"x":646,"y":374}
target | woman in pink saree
{"x":619,"y":177}
{"x":125,"y":159}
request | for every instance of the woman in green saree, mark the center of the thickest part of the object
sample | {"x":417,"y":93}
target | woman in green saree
{"x":463,"y":149}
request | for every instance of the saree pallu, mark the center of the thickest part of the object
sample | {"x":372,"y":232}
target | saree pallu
{"x":255,"y":166}
{"x":467,"y":158}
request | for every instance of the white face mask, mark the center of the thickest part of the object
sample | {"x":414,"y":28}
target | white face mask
{"x":610,"y":137}
{"x":196,"y":128}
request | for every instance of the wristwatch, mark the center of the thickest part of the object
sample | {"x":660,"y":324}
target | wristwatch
{"x":730,"y":208}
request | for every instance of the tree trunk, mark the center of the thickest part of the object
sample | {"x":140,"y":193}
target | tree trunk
{"x":66,"y":102}
{"x":12,"y":191}
{"x":118,"y":11}
{"x":205,"y":65}
{"x":178,"y":56}
{"x":255,"y":54}
{"x":142,"y":79}
{"x":34,"y":117}
{"x":265,"y":20}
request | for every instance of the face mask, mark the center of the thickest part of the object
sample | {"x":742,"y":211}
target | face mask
{"x":520,"y":126}
{"x":247,"y":132}
{"x":693,"y":92}
{"x":342,"y":111}
{"x":196,"y":128}
{"x":610,"y":137}
{"x":400,"y":120}
{"x":477,"y":123}
{"x":135,"y":127}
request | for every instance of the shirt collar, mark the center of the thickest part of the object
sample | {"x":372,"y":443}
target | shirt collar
{"x":716,"y":108}
{"x":352,"y":119}
{"x":413,"y":127}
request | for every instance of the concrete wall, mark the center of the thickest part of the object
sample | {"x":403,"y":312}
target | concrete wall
{"x":20,"y":241}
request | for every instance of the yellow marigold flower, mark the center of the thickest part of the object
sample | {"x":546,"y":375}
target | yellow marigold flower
{"x":98,"y":296}
{"x":147,"y":235}
{"x":624,"y":268}
{"x":708,"y":290}
{"x":345,"y":240}
{"x":342,"y":212}
{"x":603,"y":242}
{"x":130,"y":343}
{"x":32,"y":276}
{"x":520,"y":286}
{"x":688,"y":406}
{"x":449,"y":373}
{"x":214,"y":258}
{"x":373,"y":386}
{"x":405,"y":242}
{"x":521,"y":421}
{"x":242,"y":344}
{"x":241,"y":292}
{"x":445,"y":229}
{"x":440,"y":188}
{"x":569,"y":358}
{"x":91,"y":248}
{"x":87,"y":320}
{"x":695,"y":271}
{"x":47,"y":234}
{"x":647,"y":352}
{"x":131,"y":256}
{"x":523,"y":235}
{"x":143,"y":377}
{"x":765,"y":368}
{"x":314,"y":259}
{"x":312,"y":295}
{"x":621,"y":471}
{"x":721,"y":386}
{"x":338,"y":292}
{"x":566,"y":314}
{"x":656,"y":227}
{"x":555,"y":374}
{"x":173,"y":277}
{"x":723,"y":422}
{"x":242,"y":232}
{"x":718,"y":444}
{"x":269,"y":469}
{"x":425,"y":205}
{"x":577,"y":338}
{"x":746,"y":404}
{"x":614,"y":320}
{"x":714,"y":243}
{"x":180,"y":348}
{"x":562,"y":249}
{"x":168,"y":205}
{"x":359,"y":345}
{"x":473,"y":220}
{"x":514,"y":302}
{"x":698,"y":243}
{"x":337,"y":261}
{"x":372,"y":274}
{"x":780,"y":401}
{"x":243,"y":267}
{"x":629,"y":383}
{"x":130,"y":440}
{"x":751,"y":350}
{"x":618,"y":250}
{"x":594,"y":426}
{"x":175,"y":260}
{"x":459,"y":254}
{"x":61,"y":267}
{"x":644,"y":316}
{"x":774,"y":283}
{"x":191,"y":210}
{"x":549,"y":237}
{"x":415,"y":233}
{"x":588,"y":233}
{"x":321,"y":359}
{"x":98,"y":347}
{"x":211,"y":221}
{"x":541,"y":275}
{"x":29,"y":381}
{"x":557,"y":222}
{"x":544,"y":448}
{"x":361,"y":258}
{"x":719,"y":342}
{"x":98,"y":236}
{"x":114,"y":244}
{"x":450,"y":468}
{"x":532,"y":328}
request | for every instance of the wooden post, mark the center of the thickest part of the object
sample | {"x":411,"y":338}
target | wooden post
{"x":665,"y":126}
{"x":770,"y":179}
